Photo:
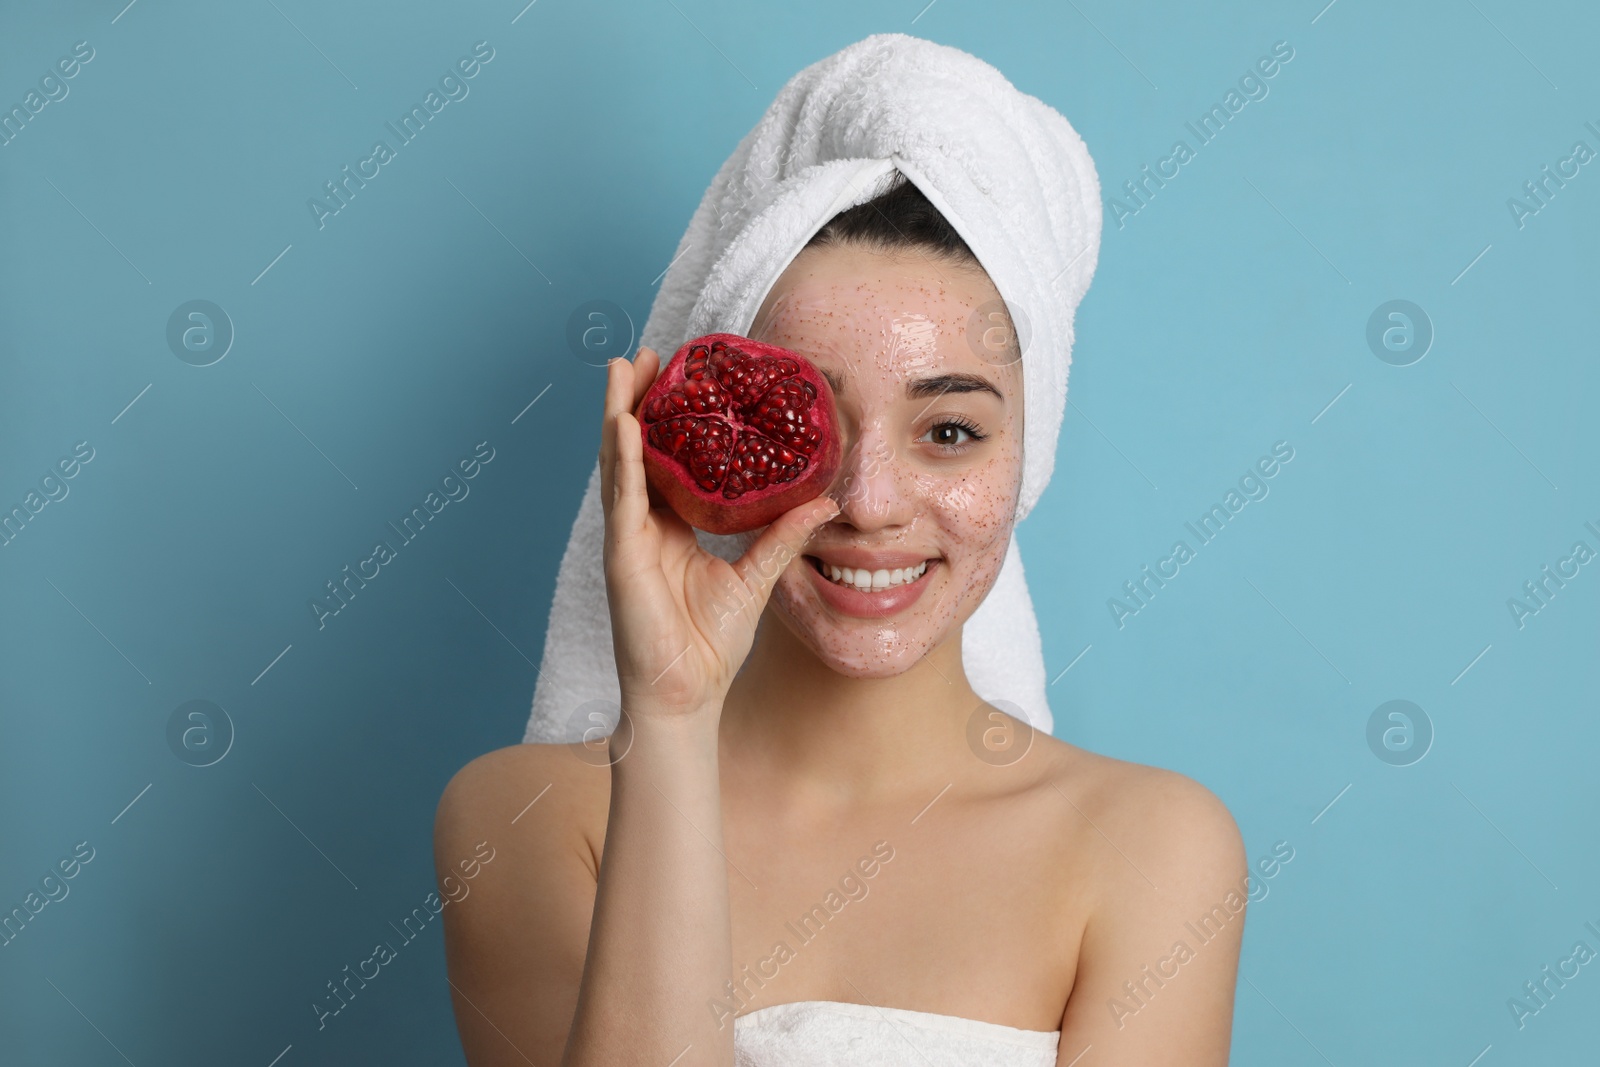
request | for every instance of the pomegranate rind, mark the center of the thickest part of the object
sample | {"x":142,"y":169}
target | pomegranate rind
{"x":732,"y":478}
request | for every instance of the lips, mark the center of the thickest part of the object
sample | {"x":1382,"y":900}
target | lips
{"x":869,"y":586}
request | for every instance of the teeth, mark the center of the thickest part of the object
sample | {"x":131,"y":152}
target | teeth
{"x":874,"y":581}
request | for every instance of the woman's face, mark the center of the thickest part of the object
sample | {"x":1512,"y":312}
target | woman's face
{"x":929,"y":389}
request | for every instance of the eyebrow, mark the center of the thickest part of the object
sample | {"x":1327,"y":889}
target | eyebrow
{"x":930,"y":387}
{"x":950,"y":383}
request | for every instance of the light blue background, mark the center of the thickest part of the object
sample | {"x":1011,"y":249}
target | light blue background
{"x":1225,"y":316}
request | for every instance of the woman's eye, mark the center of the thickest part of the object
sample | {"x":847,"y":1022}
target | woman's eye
{"x":950,"y":435}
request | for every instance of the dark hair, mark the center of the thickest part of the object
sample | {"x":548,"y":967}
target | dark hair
{"x":898,"y":219}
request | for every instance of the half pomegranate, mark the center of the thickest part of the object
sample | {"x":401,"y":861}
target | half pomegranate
{"x":737,"y":432}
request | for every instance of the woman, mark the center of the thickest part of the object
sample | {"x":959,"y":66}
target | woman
{"x":797,"y":853}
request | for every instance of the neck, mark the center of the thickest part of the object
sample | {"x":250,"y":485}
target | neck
{"x":791,"y":717}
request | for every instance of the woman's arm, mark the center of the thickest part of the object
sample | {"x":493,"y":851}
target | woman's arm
{"x":514,"y":944}
{"x":548,"y":967}
{"x":1160,"y":951}
{"x":660,"y":948}
{"x":682,"y":623}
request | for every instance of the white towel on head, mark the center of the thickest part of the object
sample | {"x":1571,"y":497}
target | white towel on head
{"x":1014,"y":179}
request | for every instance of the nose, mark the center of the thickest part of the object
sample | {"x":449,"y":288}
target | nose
{"x":872,"y":487}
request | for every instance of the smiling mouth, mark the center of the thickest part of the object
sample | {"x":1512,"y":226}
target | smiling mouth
{"x":869,"y":581}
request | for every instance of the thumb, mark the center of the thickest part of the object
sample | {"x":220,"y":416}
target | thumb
{"x":780,"y":543}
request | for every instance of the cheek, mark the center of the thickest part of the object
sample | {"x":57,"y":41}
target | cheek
{"x":973,"y":515}
{"x":966,"y":518}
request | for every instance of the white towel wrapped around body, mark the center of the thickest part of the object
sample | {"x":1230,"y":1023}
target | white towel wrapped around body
{"x":1012,"y":177}
{"x":828,"y":1033}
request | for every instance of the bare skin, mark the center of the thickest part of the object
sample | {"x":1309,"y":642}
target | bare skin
{"x":770,"y":766}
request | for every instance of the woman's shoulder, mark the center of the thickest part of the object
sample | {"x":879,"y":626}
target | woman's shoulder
{"x":516,"y":932}
{"x":552,"y":793}
{"x":503,"y":773}
{"x":1173,"y":821}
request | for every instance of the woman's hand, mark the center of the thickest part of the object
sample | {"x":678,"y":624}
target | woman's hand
{"x":682,"y":619}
